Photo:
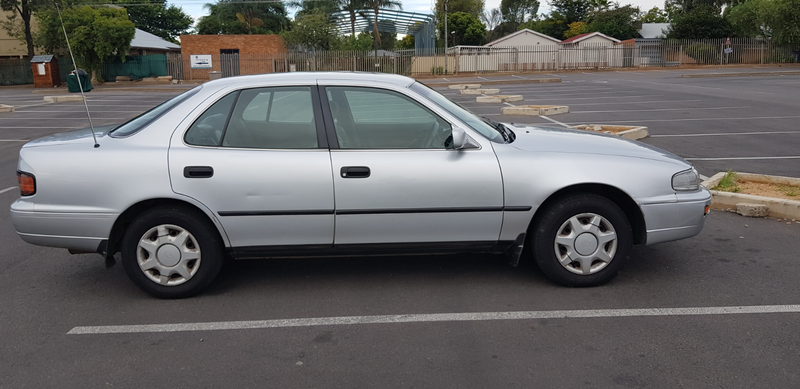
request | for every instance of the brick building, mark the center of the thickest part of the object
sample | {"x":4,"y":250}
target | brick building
{"x":231,"y":54}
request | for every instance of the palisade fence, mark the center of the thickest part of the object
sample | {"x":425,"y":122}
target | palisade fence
{"x":459,"y":59}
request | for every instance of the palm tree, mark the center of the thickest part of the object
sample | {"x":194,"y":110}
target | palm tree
{"x":352,"y":7}
{"x":376,"y":5}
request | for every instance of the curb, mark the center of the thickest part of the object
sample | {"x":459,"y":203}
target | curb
{"x":498,"y":82}
{"x":535,"y":110}
{"x":633,"y":133}
{"x":118,"y":89}
{"x":778,"y":208}
{"x":757,"y":74}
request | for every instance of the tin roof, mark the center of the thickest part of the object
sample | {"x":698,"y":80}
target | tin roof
{"x":146,"y":40}
{"x":42,"y":58}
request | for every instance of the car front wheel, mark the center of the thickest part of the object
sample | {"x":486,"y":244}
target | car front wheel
{"x":171,"y":252}
{"x":581,"y":240}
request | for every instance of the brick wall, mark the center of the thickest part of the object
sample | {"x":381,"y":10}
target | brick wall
{"x":251,"y":47}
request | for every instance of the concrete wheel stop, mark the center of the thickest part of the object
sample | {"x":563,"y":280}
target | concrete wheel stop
{"x":464,"y":86}
{"x":535,"y":110}
{"x":752,"y":205}
{"x":6,"y":108}
{"x":62,"y":99}
{"x":627,"y":132}
{"x":480,"y":91}
{"x":498,"y":98}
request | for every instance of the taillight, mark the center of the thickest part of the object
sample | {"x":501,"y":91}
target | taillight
{"x":27,"y":184}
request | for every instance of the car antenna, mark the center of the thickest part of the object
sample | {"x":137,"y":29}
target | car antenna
{"x":74,"y":66}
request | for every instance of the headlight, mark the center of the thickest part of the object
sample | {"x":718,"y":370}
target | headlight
{"x":686,"y":180}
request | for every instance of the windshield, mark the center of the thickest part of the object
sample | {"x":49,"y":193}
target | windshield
{"x":136,"y":124}
{"x":484,"y":127}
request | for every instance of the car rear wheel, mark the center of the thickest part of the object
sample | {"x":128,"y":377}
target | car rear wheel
{"x":171,"y":252}
{"x":581,"y":240}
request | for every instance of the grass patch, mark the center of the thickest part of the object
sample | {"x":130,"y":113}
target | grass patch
{"x":728,"y":183}
{"x":789,"y":190}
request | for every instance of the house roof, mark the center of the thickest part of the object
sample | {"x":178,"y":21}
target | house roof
{"x":581,"y":37}
{"x":521,"y":32}
{"x":146,"y":40}
{"x":653,"y":30}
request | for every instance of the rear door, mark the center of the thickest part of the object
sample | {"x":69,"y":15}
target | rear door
{"x":259,"y":160}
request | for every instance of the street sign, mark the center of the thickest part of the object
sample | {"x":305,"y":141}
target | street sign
{"x":202,"y":61}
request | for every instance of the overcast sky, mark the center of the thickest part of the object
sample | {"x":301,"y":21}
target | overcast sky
{"x":196,"y":10}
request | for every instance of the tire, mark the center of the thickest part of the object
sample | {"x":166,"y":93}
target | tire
{"x":591,"y":257}
{"x":172,"y":252}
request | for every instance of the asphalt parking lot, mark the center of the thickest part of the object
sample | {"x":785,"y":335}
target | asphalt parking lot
{"x":718,"y":310}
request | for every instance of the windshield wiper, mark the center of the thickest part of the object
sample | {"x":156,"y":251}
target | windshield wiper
{"x":507,"y":134}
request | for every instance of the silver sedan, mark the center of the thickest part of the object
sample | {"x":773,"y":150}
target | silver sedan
{"x":313,"y":164}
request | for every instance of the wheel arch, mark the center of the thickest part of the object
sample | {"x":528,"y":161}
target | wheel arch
{"x":130,"y":214}
{"x":617,"y":196}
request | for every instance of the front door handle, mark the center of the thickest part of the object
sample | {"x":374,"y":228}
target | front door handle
{"x":198,"y":171}
{"x":355,"y":172}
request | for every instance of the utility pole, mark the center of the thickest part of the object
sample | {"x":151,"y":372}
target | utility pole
{"x":445,"y":36}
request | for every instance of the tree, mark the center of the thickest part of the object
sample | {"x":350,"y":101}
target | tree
{"x":700,"y":22}
{"x":155,"y":17}
{"x":655,"y":15}
{"x":312,"y":30}
{"x":361,"y":42}
{"x":464,"y":29}
{"x":492,"y":18}
{"x":407,"y":43}
{"x":518,"y":11}
{"x":328,"y":7}
{"x":376,"y":5}
{"x":574,"y":29}
{"x":223,"y":19}
{"x":472,"y":7}
{"x":353,"y":8}
{"x":775,"y":20}
{"x":25,"y":9}
{"x":570,"y":10}
{"x":553,"y":25}
{"x":94,"y":34}
{"x":617,"y":22}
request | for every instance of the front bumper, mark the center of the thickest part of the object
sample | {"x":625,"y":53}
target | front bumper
{"x":676,"y":220}
{"x":79,"y":231}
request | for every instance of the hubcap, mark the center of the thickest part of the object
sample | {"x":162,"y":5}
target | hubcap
{"x":585,"y":243}
{"x":168,"y":255}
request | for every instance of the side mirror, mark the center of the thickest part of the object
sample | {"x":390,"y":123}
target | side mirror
{"x":462,"y":141}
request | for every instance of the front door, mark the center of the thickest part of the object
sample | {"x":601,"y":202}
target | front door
{"x":397,"y":178}
{"x":255,"y":159}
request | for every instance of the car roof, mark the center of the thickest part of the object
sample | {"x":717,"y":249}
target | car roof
{"x":313,"y":77}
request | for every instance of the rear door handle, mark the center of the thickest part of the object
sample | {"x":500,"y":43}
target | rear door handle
{"x":198,"y":171}
{"x":355,"y":172}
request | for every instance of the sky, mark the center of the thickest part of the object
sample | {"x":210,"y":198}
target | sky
{"x":195,"y":7}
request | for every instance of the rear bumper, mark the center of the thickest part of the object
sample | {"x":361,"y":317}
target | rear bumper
{"x":676,"y":220}
{"x":70,"y":230}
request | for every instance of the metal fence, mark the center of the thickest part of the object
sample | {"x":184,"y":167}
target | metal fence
{"x":459,"y":59}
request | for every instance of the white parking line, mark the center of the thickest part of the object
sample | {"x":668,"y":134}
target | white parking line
{"x":555,"y":121}
{"x":702,"y":119}
{"x":640,"y":102}
{"x":9,"y":189}
{"x":661,"y":109}
{"x":741,"y":158}
{"x":428,"y":318}
{"x":726,"y":134}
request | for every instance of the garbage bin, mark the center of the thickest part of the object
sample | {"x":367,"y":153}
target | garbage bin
{"x":72,"y":81}
{"x":214,"y":75}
